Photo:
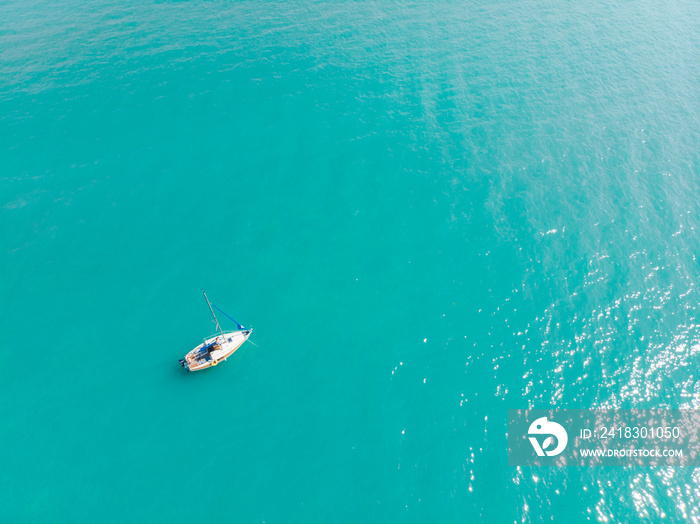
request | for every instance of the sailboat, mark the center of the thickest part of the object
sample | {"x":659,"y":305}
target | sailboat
{"x":217,"y":348}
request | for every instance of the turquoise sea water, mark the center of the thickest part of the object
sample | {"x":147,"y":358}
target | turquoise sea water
{"x":429,"y":212}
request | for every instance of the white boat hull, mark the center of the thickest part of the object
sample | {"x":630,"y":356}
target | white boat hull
{"x":215,"y":349}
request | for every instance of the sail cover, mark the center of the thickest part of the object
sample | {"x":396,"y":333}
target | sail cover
{"x":206,"y":349}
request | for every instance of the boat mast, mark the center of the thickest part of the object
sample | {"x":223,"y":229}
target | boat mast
{"x":213,"y":315}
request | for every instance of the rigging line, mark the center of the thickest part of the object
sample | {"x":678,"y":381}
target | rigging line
{"x":213,"y":315}
{"x":239,"y":326}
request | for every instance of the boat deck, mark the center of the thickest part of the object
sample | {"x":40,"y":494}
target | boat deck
{"x":214,"y":350}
